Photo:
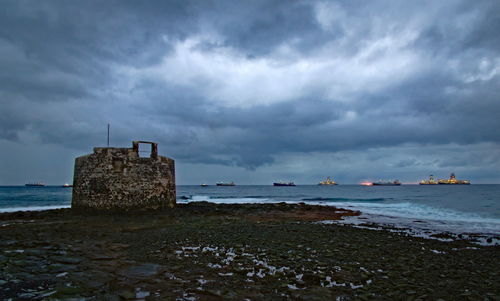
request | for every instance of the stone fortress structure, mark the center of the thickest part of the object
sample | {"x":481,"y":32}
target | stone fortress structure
{"x":119,"y":178}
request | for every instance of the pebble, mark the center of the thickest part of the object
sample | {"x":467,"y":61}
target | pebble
{"x":69,"y":260}
{"x":141,"y":271}
{"x":60,"y":268}
{"x":126,"y":294}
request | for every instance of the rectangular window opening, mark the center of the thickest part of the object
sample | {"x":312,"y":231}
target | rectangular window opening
{"x":144,"y":150}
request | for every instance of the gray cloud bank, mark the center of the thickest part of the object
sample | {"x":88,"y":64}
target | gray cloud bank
{"x":255,"y":89}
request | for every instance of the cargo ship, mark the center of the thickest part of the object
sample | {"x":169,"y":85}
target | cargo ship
{"x":387,"y":183}
{"x":66,"y":185}
{"x":431,"y":181}
{"x":328,"y":182}
{"x":37,"y":184}
{"x":284,"y":184}
{"x":453,"y":181}
{"x":226,"y":184}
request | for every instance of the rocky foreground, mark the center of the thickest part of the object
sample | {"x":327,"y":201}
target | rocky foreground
{"x":203,"y":251}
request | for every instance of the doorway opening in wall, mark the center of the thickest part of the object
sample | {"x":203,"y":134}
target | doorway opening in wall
{"x":145,"y":150}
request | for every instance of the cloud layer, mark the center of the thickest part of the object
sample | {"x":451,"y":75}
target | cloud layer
{"x":258,"y":89}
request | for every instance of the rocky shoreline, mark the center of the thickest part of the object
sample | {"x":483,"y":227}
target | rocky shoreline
{"x":205,"y":251}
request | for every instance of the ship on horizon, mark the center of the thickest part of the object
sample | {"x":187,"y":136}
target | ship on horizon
{"x":387,"y":183}
{"x":453,"y":181}
{"x":328,"y":182}
{"x":36,"y":184}
{"x":226,"y":184}
{"x":431,"y":181}
{"x":281,"y":183}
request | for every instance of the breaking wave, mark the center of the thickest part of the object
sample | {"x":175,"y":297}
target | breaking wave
{"x":381,"y":207}
{"x":33,"y":208}
{"x":417,"y":211}
{"x":222,"y":200}
{"x":344,"y":200}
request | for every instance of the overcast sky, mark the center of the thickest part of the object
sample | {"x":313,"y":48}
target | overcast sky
{"x":254,"y":91}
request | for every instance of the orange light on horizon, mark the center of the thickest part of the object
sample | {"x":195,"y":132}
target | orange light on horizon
{"x":366,"y":183}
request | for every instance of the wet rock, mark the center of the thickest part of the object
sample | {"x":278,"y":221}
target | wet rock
{"x":311,"y":278}
{"x":126,"y":294}
{"x":26,"y":295}
{"x":118,"y":246}
{"x":36,"y":252}
{"x":46,"y":293}
{"x":18,"y":263}
{"x":68,"y":293}
{"x":8,"y":242}
{"x":68,"y":260}
{"x":24,"y":275}
{"x":103,"y":257}
{"x":316,"y":294}
{"x":213,"y":293}
{"x":60,"y":268}
{"x":363,"y":255}
{"x":111,"y":297}
{"x":141,"y":271}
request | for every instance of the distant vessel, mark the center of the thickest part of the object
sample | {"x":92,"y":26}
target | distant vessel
{"x":66,"y":185}
{"x":387,"y":183}
{"x":37,"y":184}
{"x":284,"y":184}
{"x":328,"y":181}
{"x":203,"y":185}
{"x":453,"y":181}
{"x":226,"y":184}
{"x":431,"y":181}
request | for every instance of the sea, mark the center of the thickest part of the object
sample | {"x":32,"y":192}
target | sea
{"x":421,"y":210}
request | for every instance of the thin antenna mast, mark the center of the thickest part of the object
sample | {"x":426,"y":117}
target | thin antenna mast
{"x":108,"y":134}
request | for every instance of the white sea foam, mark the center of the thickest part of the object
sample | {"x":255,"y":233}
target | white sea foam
{"x":200,"y":198}
{"x":404,"y":209}
{"x":407,"y":214}
{"x":415,"y":211}
{"x":423,"y":219}
{"x":33,"y":208}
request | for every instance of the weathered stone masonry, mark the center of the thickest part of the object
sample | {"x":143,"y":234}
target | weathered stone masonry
{"x":117,"y":178}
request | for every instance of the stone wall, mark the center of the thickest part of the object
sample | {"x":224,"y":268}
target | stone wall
{"x":118,"y":178}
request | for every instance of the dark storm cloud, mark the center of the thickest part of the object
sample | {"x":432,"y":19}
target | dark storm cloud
{"x":256,"y":27}
{"x":314,"y":125}
{"x":58,"y":51}
{"x":467,"y":26}
{"x":244,"y":83}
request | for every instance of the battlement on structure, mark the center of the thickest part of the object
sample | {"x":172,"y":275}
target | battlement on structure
{"x":119,"y":178}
